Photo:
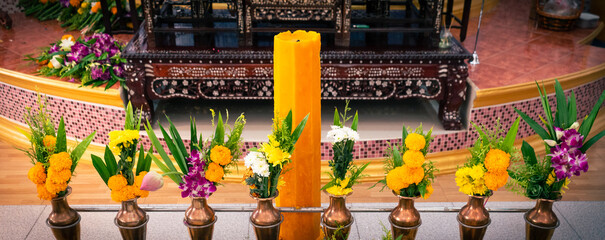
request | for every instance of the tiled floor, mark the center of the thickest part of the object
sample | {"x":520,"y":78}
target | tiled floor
{"x":578,"y":220}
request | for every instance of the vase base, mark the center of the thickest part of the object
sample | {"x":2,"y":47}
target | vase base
{"x":407,"y":233}
{"x":535,"y":232}
{"x":336,"y":232}
{"x":267,"y":232}
{"x":133,"y":233}
{"x":203,"y":232}
{"x":68,"y":232}
{"x":468,"y":232}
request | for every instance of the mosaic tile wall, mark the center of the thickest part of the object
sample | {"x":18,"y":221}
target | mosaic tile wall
{"x":82,"y":118}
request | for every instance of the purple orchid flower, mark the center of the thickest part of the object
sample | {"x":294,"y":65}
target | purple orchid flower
{"x":195,"y":183}
{"x":55,"y":48}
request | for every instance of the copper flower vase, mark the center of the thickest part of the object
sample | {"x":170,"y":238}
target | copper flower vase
{"x":63,"y":220}
{"x":405,"y":219}
{"x":200,"y":219}
{"x":541,"y":221}
{"x":266,"y":219}
{"x":473,"y":219}
{"x":336,"y":220}
{"x":132,"y":221}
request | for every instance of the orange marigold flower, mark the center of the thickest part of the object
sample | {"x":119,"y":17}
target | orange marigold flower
{"x":117,"y":182}
{"x":497,"y":160}
{"x":138,"y":180}
{"x":413,"y":158}
{"x":141,"y":193}
{"x":67,"y":36}
{"x":429,"y":191}
{"x":43,"y":1}
{"x":43,"y":194}
{"x":55,"y":188}
{"x":43,"y":62}
{"x":395,"y":179}
{"x":126,"y":193}
{"x":415,"y":141}
{"x":416,"y":175}
{"x":74,"y":3}
{"x":214,"y":173}
{"x":49,"y":142}
{"x":60,"y":176}
{"x":95,"y":7}
{"x":114,"y":10}
{"x":60,"y":161}
{"x":37,"y":174}
{"x":220,"y":155}
{"x":495,"y":180}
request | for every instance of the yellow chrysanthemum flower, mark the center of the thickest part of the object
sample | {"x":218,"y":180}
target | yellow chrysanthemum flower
{"x":57,"y":177}
{"x":117,"y":182}
{"x":429,"y":191}
{"x":476,"y":172}
{"x":37,"y":174}
{"x":495,"y":180}
{"x":122,"y":139}
{"x":55,"y":188}
{"x":497,"y":160}
{"x":413,"y":158}
{"x":395,"y":179}
{"x":220,"y":155}
{"x":340,"y":188}
{"x":214,"y":173}
{"x":415,"y":141}
{"x":49,"y":142}
{"x":44,"y":194}
{"x":60,"y":161}
{"x":470,"y":180}
{"x":275,"y":156}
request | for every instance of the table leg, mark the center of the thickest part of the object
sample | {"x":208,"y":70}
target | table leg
{"x":455,"y":95}
{"x":135,"y":83}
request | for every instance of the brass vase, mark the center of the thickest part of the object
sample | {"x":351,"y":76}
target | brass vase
{"x":405,"y":219}
{"x":132,"y":221}
{"x":63,"y":220}
{"x":473,"y":218}
{"x":541,"y":221}
{"x":266,"y":219}
{"x":200,"y":219}
{"x":336,"y":220}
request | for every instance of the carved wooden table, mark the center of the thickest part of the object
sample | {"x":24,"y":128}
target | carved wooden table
{"x":346,"y":74}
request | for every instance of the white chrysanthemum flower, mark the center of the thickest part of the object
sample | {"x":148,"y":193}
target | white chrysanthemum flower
{"x":252,"y":158}
{"x":55,"y":62}
{"x":338,"y":134}
{"x":261,"y":168}
{"x":66,"y":44}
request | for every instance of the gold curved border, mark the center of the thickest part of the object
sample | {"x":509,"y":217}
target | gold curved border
{"x":588,"y":39}
{"x":528,"y":90}
{"x":446,"y":162}
{"x":62,"y":89}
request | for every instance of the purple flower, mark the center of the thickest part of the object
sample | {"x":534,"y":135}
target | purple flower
{"x":96,"y":72}
{"x":118,"y":71}
{"x":578,"y":163}
{"x":572,"y":138}
{"x":195,"y":183}
{"x":567,"y":159}
{"x":78,"y":51}
{"x":55,"y":48}
{"x":65,"y":3}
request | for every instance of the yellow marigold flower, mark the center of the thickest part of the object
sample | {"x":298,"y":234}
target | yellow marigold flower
{"x":495,"y":180}
{"x":37,"y":174}
{"x":416,"y":175}
{"x":58,"y":176}
{"x":117,"y":182}
{"x":60,"y":161}
{"x":43,"y":194}
{"x":119,"y":139}
{"x":81,"y":11}
{"x":138,"y":180}
{"x":497,"y":160}
{"x":429,"y":191}
{"x":220,"y":155}
{"x":55,"y":188}
{"x":413,"y":158}
{"x":470,"y":180}
{"x":67,"y":36}
{"x":476,"y":172}
{"x":214,"y":173}
{"x":50,"y":65}
{"x":74,"y":3}
{"x":84,"y":5}
{"x":49,"y":142}
{"x":395,"y":179}
{"x":415,"y":141}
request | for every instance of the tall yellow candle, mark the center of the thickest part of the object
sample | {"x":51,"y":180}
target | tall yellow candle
{"x":297,"y":86}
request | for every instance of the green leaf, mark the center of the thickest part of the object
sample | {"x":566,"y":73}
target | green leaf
{"x":546,"y":107}
{"x":561,"y":106}
{"x":141,"y":160}
{"x":129,"y":117}
{"x":397,"y":158}
{"x":509,"y":140}
{"x":336,"y":117}
{"x":587,"y":123}
{"x":299,"y":129}
{"x":593,"y":140}
{"x":100,"y":167}
{"x":529,"y":155}
{"x":534,"y":125}
{"x":193,"y":130}
{"x":158,"y":146}
{"x":354,"y":124}
{"x":148,"y":159}
{"x":572,"y":111}
{"x":404,"y":134}
{"x":219,"y":133}
{"x":165,"y":169}
{"x":287,"y":123}
{"x":77,"y":153}
{"x":110,"y":161}
{"x":175,"y":151}
{"x":177,"y":139}
{"x":61,"y":144}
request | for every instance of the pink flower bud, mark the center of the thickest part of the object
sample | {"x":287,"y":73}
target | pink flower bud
{"x":152,"y":181}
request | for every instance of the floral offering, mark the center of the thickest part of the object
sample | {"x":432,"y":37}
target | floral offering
{"x":343,"y":138}
{"x":410,"y":174}
{"x":200,"y":172}
{"x":566,"y":142}
{"x":53,"y":164}
{"x":486,"y":170}
{"x":94,"y":60}
{"x":121,"y":177}
{"x":265,"y":165}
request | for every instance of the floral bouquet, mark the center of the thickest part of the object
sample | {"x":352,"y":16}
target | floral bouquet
{"x":94,"y":60}
{"x":265,"y":165}
{"x":200,"y":172}
{"x":54,"y":164}
{"x":343,"y":138}
{"x":485,"y":171}
{"x":566,"y":143}
{"x":409,"y":174}
{"x":119,"y":176}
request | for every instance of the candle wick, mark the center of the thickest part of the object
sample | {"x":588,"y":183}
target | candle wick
{"x":298,"y":40}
